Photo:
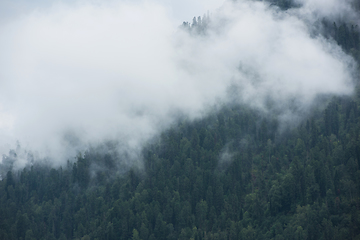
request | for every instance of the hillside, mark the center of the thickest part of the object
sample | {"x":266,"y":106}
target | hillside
{"x":236,"y":173}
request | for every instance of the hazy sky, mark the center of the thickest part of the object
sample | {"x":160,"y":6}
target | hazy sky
{"x":183,"y":10}
{"x":73,"y":74}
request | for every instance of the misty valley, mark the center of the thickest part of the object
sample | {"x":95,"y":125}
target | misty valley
{"x":244,"y":125}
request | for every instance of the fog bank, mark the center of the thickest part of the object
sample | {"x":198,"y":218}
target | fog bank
{"x":74,"y":75}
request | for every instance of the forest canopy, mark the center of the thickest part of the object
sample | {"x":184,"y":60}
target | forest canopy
{"x":235,"y":172}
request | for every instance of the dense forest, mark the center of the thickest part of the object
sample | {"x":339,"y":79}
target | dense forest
{"x":235,"y":174}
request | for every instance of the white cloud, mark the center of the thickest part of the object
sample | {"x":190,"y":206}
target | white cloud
{"x":121,"y":70}
{"x":331,"y":9}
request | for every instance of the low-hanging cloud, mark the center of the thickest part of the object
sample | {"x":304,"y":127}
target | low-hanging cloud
{"x":332,"y":9}
{"x":78,"y":74}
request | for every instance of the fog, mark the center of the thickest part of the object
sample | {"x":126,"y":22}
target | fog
{"x":332,"y":9}
{"x":77,"y":74}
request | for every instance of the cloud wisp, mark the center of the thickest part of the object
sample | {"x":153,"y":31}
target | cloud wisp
{"x":78,"y":74}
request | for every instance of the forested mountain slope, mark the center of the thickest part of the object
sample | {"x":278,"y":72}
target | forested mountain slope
{"x":237,"y":173}
{"x":228,"y":176}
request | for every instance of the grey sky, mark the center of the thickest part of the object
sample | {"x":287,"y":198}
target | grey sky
{"x":183,"y":10}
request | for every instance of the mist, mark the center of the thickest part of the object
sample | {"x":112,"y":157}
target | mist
{"x":73,"y":75}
